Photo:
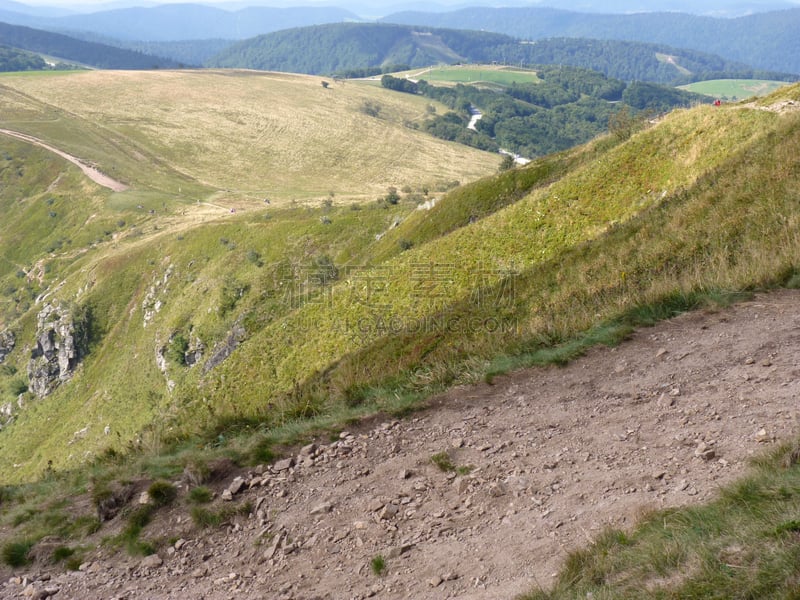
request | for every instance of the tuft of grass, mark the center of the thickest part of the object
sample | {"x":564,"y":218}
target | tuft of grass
{"x":16,"y":554}
{"x":200,"y":495}
{"x":162,"y":493}
{"x":443,"y":461}
{"x":378,"y":565}
{"x":206,"y":517}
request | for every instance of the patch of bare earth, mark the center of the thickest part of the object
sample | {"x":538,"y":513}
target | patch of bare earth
{"x":556,"y":454}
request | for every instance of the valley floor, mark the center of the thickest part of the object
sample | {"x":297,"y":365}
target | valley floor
{"x":545,"y":459}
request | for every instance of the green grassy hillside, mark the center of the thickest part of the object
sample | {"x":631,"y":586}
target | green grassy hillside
{"x":347,"y":306}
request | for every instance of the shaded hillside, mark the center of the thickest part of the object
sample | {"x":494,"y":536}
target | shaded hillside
{"x":87,"y":53}
{"x":354,"y":47}
{"x":765,"y":40}
{"x":638,"y":61}
{"x":330,"y":48}
{"x":12,"y":59}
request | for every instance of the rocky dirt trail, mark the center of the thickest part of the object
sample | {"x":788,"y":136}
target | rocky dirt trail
{"x":551,"y":456}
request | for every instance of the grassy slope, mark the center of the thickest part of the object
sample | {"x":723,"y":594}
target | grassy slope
{"x":735,"y":89}
{"x":601,"y":238}
{"x":105,"y":250}
{"x":237,"y":133}
{"x":701,"y":201}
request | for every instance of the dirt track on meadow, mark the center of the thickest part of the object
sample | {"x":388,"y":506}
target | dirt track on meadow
{"x":91,"y":172}
{"x":556,"y":454}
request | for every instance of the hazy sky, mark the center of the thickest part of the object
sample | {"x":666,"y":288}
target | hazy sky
{"x":386,"y":6}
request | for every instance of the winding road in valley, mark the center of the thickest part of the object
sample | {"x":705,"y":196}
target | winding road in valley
{"x":91,"y":172}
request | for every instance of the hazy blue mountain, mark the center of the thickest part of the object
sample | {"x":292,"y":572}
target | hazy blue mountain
{"x":169,"y":22}
{"x":765,"y":40}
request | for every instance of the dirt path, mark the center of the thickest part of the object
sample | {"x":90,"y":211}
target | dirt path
{"x":556,"y":455}
{"x":91,"y":172}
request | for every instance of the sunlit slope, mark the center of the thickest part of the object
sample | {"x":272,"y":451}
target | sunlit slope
{"x":244,"y":134}
{"x":652,"y":168}
{"x":704,"y":200}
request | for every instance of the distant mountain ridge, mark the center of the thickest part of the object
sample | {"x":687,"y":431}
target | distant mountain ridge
{"x":71,"y":49}
{"x":334,"y":48}
{"x":764,"y":40}
{"x":171,"y":22}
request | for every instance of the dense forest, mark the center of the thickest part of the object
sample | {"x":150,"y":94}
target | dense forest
{"x":71,"y":49}
{"x":570,"y":106}
{"x":764,"y":40}
{"x":364,"y":49}
{"x":12,"y":59}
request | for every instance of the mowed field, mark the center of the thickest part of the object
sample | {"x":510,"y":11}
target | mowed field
{"x":476,"y":74}
{"x":734,"y":89}
{"x":237,"y":136}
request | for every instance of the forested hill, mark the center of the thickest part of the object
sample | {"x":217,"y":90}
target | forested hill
{"x":638,"y":61}
{"x":344,"y":46}
{"x":88,"y":53}
{"x":350,"y":46}
{"x":12,"y":59}
{"x":764,"y":40}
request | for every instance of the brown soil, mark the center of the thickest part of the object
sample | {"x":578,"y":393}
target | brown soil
{"x":554,"y":455}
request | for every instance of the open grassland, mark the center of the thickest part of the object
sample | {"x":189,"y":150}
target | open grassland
{"x":476,"y":74}
{"x":243,"y":135}
{"x":734,"y":89}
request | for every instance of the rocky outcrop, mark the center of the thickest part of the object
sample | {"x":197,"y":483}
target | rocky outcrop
{"x":225,"y":348}
{"x":55,"y":354}
{"x":7,"y":342}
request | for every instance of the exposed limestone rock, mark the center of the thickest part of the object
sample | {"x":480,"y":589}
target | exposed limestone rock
{"x":7,"y":342}
{"x":225,"y":348}
{"x":56,"y":353}
{"x":152,"y":304}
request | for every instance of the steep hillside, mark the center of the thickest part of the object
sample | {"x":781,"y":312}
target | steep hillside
{"x":764,"y":40}
{"x":71,"y":49}
{"x":192,"y":319}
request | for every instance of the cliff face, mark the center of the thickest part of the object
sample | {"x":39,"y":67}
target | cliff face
{"x":55,"y":354}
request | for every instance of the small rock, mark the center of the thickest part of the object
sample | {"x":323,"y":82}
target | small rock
{"x":151,"y":562}
{"x":283,"y":465}
{"x":659,"y":474}
{"x":435,"y":581}
{"x":308,"y":450}
{"x":227,"y":495}
{"x":749,"y":360}
{"x":236,"y":486}
{"x":450,"y":576}
{"x":661,"y":352}
{"x":325,"y":507}
{"x":457,"y":443}
{"x":405,"y":474}
{"x":389,"y":511}
{"x":675,"y":392}
{"x":375,"y":505}
{"x":180,"y":544}
{"x":398,"y":551}
{"x":497,"y":489}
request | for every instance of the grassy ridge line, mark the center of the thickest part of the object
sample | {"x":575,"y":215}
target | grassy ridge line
{"x":575,"y":209}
